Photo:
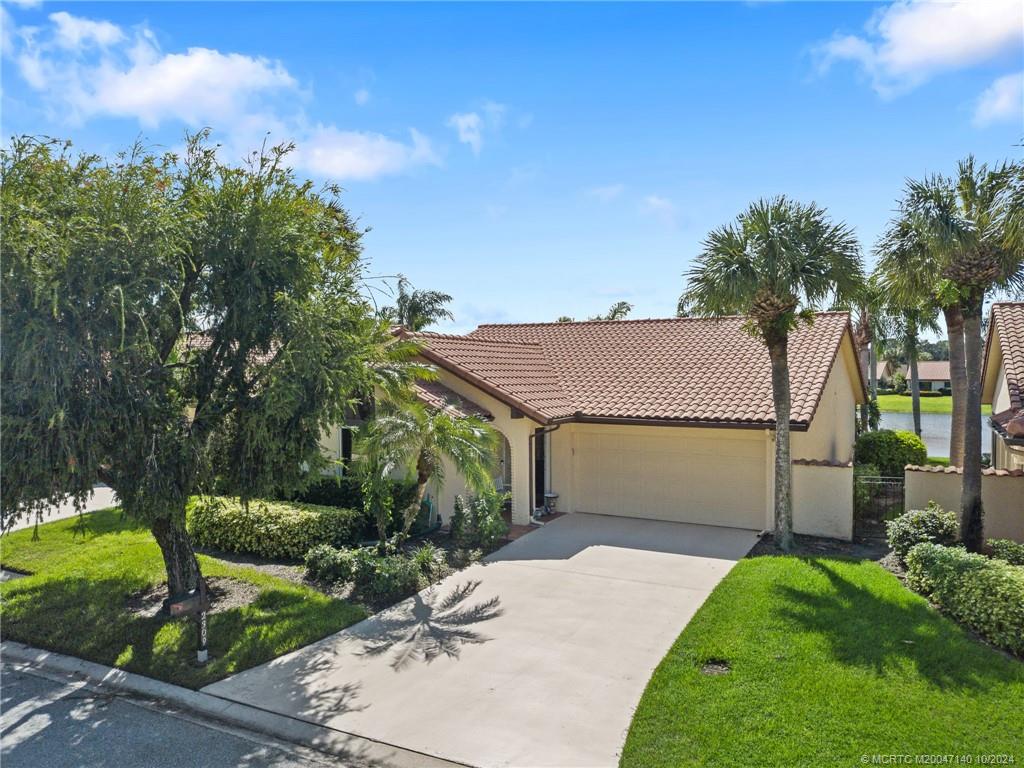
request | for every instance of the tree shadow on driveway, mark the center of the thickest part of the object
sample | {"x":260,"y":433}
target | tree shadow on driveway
{"x":433,"y":626}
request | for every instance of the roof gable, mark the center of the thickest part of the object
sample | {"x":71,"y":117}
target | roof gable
{"x":681,"y":370}
{"x":1005,"y":344}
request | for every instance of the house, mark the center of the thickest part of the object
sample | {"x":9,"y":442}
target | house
{"x":663,"y":419}
{"x":1003,"y":384}
{"x":933,"y":375}
{"x":884,"y":371}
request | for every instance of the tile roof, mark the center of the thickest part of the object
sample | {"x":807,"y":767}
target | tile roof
{"x":437,"y":395}
{"x":1008,"y":323}
{"x":690,"y":370}
{"x":933,"y":370}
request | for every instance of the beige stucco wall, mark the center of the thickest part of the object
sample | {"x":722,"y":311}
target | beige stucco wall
{"x":1002,"y":495}
{"x":833,"y":429}
{"x":823,"y":501}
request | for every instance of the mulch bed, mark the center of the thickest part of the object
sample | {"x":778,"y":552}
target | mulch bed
{"x":224,"y":593}
{"x":863,"y":547}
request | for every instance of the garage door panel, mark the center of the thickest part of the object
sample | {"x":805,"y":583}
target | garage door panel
{"x":662,"y":474}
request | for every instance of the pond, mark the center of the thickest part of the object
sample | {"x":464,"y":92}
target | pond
{"x":935,"y":429}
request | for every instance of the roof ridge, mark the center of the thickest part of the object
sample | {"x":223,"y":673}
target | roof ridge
{"x":633,"y":321}
{"x":467,"y":337}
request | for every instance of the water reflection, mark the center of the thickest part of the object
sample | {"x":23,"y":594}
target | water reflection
{"x":935,"y":429}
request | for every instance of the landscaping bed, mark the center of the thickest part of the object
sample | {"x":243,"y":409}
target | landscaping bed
{"x":92,"y":580}
{"x":820,"y":660}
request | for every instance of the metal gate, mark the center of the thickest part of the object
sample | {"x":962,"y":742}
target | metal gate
{"x":877,"y":498}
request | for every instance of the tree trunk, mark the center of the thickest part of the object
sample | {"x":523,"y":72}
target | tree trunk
{"x":179,"y":559}
{"x":971,"y":512}
{"x":778,"y":351}
{"x":957,"y":382}
{"x":864,"y":353}
{"x":422,"y":478}
{"x":910,"y":345}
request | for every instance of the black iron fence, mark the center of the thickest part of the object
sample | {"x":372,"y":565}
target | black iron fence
{"x":877,"y":498}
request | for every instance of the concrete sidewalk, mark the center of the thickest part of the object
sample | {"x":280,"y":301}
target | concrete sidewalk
{"x":102,"y":497}
{"x":351,"y":749}
{"x":536,"y":657}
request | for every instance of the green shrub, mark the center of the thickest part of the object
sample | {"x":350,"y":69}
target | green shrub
{"x":984,"y":594}
{"x":347,"y":491}
{"x":388,"y":578}
{"x":890,"y":450}
{"x":932,"y":525}
{"x":430,"y":560}
{"x":326,"y":563}
{"x":477,"y":522}
{"x":1005,"y":549}
{"x":272,"y":529}
{"x":899,"y":383}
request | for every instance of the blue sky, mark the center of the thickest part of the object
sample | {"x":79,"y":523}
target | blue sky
{"x":536,"y":160}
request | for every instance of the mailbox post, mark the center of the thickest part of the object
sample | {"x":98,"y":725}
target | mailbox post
{"x":195,"y":603}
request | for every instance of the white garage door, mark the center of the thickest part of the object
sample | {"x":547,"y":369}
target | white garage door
{"x":713,"y":477}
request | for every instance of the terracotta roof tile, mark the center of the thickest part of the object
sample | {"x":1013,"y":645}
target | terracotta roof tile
{"x":437,"y":395}
{"x":690,"y":369}
{"x":1008,"y":323}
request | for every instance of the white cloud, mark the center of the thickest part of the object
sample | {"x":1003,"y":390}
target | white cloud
{"x":74,"y":32}
{"x":85,"y":69}
{"x":606,"y":192}
{"x":469,"y":126}
{"x":361,"y":97}
{"x":661,"y":208}
{"x":1003,"y":100}
{"x":909,"y":41}
{"x":359,"y":155}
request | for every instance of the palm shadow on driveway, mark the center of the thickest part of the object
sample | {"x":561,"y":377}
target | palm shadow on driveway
{"x":433,"y":626}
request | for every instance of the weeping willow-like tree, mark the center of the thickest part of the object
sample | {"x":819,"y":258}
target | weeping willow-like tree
{"x":776,"y":264}
{"x":169,"y":319}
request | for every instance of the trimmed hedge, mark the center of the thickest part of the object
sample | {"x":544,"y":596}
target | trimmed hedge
{"x":984,"y":594}
{"x":890,"y":450}
{"x":932,"y":525}
{"x":379,"y":578}
{"x":273,"y":529}
{"x":1005,"y":549}
{"x":347,"y":491}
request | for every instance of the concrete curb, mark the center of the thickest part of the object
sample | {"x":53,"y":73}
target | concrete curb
{"x":355,"y":750}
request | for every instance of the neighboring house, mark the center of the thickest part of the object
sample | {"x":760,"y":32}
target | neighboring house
{"x":663,"y":419}
{"x":933,"y":375}
{"x":884,"y":371}
{"x":1003,"y":384}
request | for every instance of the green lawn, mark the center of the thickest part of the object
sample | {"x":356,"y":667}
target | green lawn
{"x":904,"y":404}
{"x":830,"y":659}
{"x":75,"y":602}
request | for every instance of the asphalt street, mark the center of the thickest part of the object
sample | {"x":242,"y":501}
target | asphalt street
{"x":55,"y":722}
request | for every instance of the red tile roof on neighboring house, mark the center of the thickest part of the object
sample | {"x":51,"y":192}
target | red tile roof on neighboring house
{"x":437,"y":395}
{"x":1008,"y":326}
{"x":688,"y":370}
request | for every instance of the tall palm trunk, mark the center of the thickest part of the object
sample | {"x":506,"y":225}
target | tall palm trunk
{"x":779,"y":354}
{"x":910,"y":347}
{"x":957,"y":382}
{"x":864,"y":353}
{"x":971,"y":512}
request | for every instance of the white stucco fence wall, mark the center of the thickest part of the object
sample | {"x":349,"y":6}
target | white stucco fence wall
{"x":823,"y":500}
{"x":1002,"y":494}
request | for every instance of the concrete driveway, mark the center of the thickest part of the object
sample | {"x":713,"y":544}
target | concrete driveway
{"x":536,"y":657}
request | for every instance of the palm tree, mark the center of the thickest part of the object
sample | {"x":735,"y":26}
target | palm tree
{"x":906,"y":324}
{"x":411,"y":436}
{"x":909,"y":268}
{"x":868,"y":332}
{"x":971,"y":223}
{"x":776,"y":264}
{"x":416,"y":309}
{"x":618,"y":311}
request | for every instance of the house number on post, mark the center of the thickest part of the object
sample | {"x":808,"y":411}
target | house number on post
{"x":202,"y":655}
